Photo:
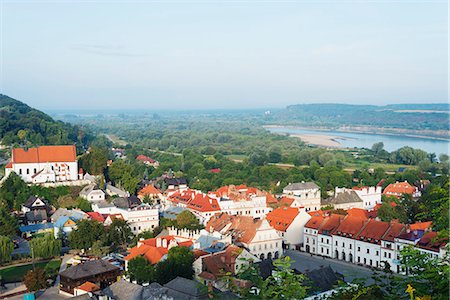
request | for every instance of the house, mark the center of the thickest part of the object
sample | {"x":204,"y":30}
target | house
{"x":86,"y":288}
{"x":64,"y":225}
{"x":175,"y":183}
{"x":44,"y":164}
{"x":432,"y":245}
{"x":256,"y":235}
{"x":114,"y":191}
{"x":97,"y":272}
{"x":289,"y":223}
{"x":343,"y":237}
{"x":92,"y":193}
{"x":305,"y":194}
{"x":388,"y":252}
{"x":148,"y":161}
{"x":324,"y":234}
{"x":140,"y":217}
{"x":149,"y":191}
{"x":180,"y":198}
{"x":36,"y":210}
{"x":211,"y":268}
{"x":370,"y":195}
{"x":203,"y":207}
{"x":96,"y":216}
{"x":118,"y":152}
{"x":28,"y":230}
{"x":156,"y":249}
{"x":343,"y":199}
{"x":398,"y":189}
{"x":74,"y":213}
{"x":368,"y":243}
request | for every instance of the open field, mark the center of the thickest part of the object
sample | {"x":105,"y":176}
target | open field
{"x":16,"y":273}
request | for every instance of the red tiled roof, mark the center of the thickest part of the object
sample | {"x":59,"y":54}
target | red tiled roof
{"x":350,"y":226}
{"x":430,"y":241}
{"x":41,"y":154}
{"x":373,"y":231}
{"x":399,"y":188}
{"x":237,"y":193}
{"x":243,"y":228}
{"x":286,"y":201}
{"x":216,"y":170}
{"x":144,"y":158}
{"x":96,"y":216}
{"x":358,"y":212}
{"x":8,"y":165}
{"x":149,"y":190}
{"x":219,"y":264}
{"x":270,"y":199}
{"x":394,"y":231}
{"x":315,"y":222}
{"x":421,"y":225}
{"x":282,"y":217}
{"x":330,"y":223}
{"x":204,"y":203}
{"x":89,"y":287}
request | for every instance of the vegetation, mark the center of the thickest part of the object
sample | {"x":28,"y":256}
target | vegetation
{"x":16,"y":273}
{"x":23,"y":125}
{"x":46,"y":246}
{"x":6,"y":248}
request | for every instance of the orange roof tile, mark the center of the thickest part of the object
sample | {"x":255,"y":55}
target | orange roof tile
{"x":43,"y":154}
{"x":149,"y":190}
{"x":373,"y":231}
{"x":286,"y":201}
{"x":421,"y":225}
{"x":204,"y":203}
{"x":399,"y":188}
{"x":219,"y":264}
{"x":330,"y":223}
{"x":358,"y":212}
{"x":282,"y":217}
{"x":243,"y":228}
{"x":96,"y":216}
{"x":429,"y":241}
{"x":8,"y":165}
{"x":394,"y":230}
{"x":89,"y":287}
{"x":315,"y":222}
{"x":350,"y":226}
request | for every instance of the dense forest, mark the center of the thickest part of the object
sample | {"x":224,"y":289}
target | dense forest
{"x":400,"y":116}
{"x":21,"y":124}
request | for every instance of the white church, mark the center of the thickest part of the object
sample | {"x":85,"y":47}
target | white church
{"x":44,"y":164}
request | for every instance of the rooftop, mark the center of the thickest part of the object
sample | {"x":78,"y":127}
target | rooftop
{"x":42,"y":154}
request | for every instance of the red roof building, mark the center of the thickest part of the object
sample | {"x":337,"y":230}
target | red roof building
{"x":43,"y":154}
{"x":399,"y":188}
{"x":282,"y":217}
{"x":96,"y":216}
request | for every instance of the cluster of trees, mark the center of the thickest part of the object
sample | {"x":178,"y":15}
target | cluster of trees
{"x":6,"y":248}
{"x":45,"y":246}
{"x":178,"y":263}
{"x":23,"y":125}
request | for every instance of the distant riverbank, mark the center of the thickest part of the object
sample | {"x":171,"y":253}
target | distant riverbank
{"x":332,"y":138}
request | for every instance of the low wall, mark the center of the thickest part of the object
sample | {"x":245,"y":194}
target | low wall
{"x":65,"y":183}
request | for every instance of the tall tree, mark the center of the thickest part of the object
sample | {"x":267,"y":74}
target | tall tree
{"x":119,"y":233}
{"x":6,"y":248}
{"x":46,"y":246}
{"x":35,"y":280}
{"x":8,"y":224}
{"x":87,"y":232}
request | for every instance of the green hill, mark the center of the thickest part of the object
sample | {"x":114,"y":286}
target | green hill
{"x":36,"y":127}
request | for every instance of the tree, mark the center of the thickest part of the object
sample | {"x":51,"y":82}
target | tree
{"x":14,"y":191}
{"x":98,"y":249}
{"x":178,"y":263}
{"x":443,"y":157}
{"x":35,"y":280}
{"x":87,"y":232}
{"x":6,"y":248}
{"x":187,"y":219}
{"x":377,"y":147}
{"x":94,"y":162}
{"x":140,"y":270}
{"x":46,"y":246}
{"x":119,"y":233}
{"x":8,"y":224}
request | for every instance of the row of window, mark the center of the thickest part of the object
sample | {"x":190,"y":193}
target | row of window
{"x":265,"y":246}
{"x":27,"y":171}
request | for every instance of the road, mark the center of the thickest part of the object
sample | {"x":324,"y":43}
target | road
{"x":304,"y":261}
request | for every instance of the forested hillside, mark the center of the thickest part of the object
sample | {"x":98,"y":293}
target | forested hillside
{"x":401,"y":116}
{"x":21,"y":124}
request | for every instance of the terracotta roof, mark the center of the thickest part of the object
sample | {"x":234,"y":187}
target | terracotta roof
{"x":350,"y":226}
{"x":282,"y":217}
{"x":44,"y":154}
{"x":315,"y":222}
{"x":270,"y":199}
{"x":331,"y":223}
{"x":149,"y":190}
{"x":183,"y":197}
{"x":219,"y":264}
{"x":358,"y":212}
{"x":144,"y":158}
{"x":286,"y":201}
{"x":421,"y":225}
{"x":96,"y":216}
{"x":394,"y":231}
{"x":399,"y":188}
{"x":242,"y":228}
{"x":238,"y":192}
{"x":8,"y":165}
{"x":373,"y":231}
{"x":216,"y":170}
{"x":89,"y":287}
{"x":204,"y":203}
{"x":430,"y":241}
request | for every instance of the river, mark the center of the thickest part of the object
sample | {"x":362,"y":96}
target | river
{"x":366,"y":140}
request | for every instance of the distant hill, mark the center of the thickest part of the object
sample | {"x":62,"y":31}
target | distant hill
{"x":401,"y":116}
{"x":37,"y":127}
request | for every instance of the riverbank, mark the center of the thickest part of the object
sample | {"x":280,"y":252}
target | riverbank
{"x":396,"y":132}
{"x":328,"y":141}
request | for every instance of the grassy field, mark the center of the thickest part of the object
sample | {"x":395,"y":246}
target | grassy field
{"x":16,"y":273}
{"x":236,"y":157}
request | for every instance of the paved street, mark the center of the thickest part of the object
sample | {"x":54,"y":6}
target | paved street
{"x":304,"y":261}
{"x":23,"y":249}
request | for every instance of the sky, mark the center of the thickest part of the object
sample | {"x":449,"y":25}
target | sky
{"x":222,"y":54}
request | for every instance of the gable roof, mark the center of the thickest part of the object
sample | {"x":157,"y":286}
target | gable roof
{"x":348,"y":196}
{"x":350,"y":226}
{"x":204,"y":203}
{"x":394,"y":231}
{"x":96,"y":216}
{"x":399,"y":188}
{"x":301,"y":186}
{"x":286,"y":201}
{"x":88,"y":268}
{"x":282,"y":217}
{"x":242,"y":228}
{"x":42,"y":154}
{"x":421,"y":225}
{"x":144,"y":158}
{"x":430,"y":241}
{"x":31,"y":200}
{"x":187,"y":287}
{"x":373,"y":231}
{"x":149,"y":190}
{"x":89,"y":287}
{"x":218,"y":264}
{"x":330,"y":223}
{"x":315,"y":222}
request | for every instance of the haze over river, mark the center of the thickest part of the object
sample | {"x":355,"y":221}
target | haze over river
{"x":333,"y":138}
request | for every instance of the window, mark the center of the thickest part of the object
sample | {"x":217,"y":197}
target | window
{"x":343,"y":244}
{"x":328,"y":251}
{"x":389,"y":255}
{"x":359,"y":259}
{"x":307,"y":239}
{"x":336,"y":243}
{"x":370,"y":262}
{"x":35,"y":171}
{"x":359,"y":249}
{"x":350,"y":246}
{"x":28,"y":171}
{"x":20,"y":171}
{"x":321,"y":239}
{"x":376,"y":253}
{"x":365,"y":260}
{"x":368,"y":251}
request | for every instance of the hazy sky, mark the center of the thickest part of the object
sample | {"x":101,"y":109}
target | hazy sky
{"x":217,"y":54}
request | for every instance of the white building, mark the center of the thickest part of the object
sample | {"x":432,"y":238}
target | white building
{"x":289,"y":223}
{"x":370,"y":195}
{"x":92,"y":193}
{"x":343,"y":199}
{"x":140,"y":218}
{"x":305,"y":194}
{"x":256,"y":235}
{"x":44,"y":164}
